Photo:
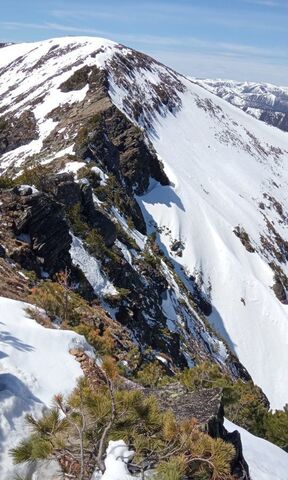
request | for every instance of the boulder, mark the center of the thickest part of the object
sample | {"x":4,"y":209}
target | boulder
{"x":17,"y":131}
{"x":63,"y":188}
{"x":23,"y":190}
{"x":23,"y":255}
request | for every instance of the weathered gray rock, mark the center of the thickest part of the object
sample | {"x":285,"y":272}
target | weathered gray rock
{"x":17,"y":131}
{"x":24,"y":256}
{"x":66,"y":191}
{"x":204,"y":405}
{"x":43,"y":219}
{"x":63,"y":188}
{"x":95,"y":217}
{"x":111,"y":140}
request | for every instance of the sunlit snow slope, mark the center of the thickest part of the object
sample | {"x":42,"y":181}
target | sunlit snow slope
{"x":228,"y":171}
{"x":265,"y":460}
{"x":222,"y":165}
{"x":35,"y":366}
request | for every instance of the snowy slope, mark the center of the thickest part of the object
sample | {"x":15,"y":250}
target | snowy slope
{"x":219,"y":176}
{"x":222,"y":164}
{"x":265,"y":460}
{"x":35,"y":365}
{"x":227,"y":170}
{"x":40,"y":68}
{"x":90,"y":267}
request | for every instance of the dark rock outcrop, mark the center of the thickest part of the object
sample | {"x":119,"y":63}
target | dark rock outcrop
{"x":280,"y":290}
{"x":95,"y":218}
{"x":24,"y":256}
{"x":244,"y":238}
{"x":43,"y":220}
{"x":276,"y":119}
{"x":17,"y":131}
{"x":63,"y":188}
{"x":77,"y":81}
{"x":2,"y":45}
{"x":239,"y":465}
{"x":69,"y":193}
{"x":120,"y":147}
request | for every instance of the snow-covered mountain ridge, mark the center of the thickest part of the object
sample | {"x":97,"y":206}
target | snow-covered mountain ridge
{"x":210,"y":181}
{"x":227,"y":177}
{"x":264,"y":101}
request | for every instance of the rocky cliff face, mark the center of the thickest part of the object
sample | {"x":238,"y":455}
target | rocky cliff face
{"x":38,"y":238}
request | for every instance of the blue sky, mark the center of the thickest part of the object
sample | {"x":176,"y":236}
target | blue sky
{"x":237,"y":39}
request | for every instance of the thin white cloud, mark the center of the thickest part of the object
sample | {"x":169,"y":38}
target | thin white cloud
{"x":224,"y":67}
{"x":51,"y":27}
{"x":267,"y":3}
{"x":76,"y":14}
{"x":175,"y":43}
{"x":194,"y":43}
{"x":157,"y":11}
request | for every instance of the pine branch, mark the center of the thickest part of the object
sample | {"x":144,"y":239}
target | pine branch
{"x":108,"y":427}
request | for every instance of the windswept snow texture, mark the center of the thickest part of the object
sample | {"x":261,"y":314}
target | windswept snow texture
{"x":265,"y":460}
{"x":35,"y":365}
{"x":224,"y":166}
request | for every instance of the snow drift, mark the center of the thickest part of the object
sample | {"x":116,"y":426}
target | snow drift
{"x":35,"y":365}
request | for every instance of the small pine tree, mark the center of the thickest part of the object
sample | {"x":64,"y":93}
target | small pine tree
{"x":152,"y":375}
{"x":276,"y":427}
{"x":58,"y":300}
{"x":82,"y":425}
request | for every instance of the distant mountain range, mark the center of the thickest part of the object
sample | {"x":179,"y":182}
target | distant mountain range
{"x":264,"y":101}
